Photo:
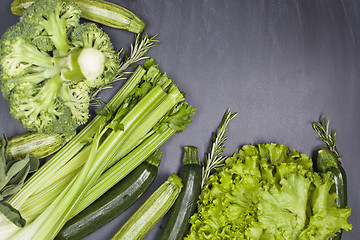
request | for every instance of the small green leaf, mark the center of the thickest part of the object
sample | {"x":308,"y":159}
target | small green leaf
{"x":16,"y":167}
{"x":33,"y":163}
{"x":9,"y":190}
{"x":12,"y":214}
{"x":20,"y":177}
{"x":102,"y":112}
{"x":116,"y":125}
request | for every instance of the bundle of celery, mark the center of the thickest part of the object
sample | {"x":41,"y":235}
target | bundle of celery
{"x":146,"y":112}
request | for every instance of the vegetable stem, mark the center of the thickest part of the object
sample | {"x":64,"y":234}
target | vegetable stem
{"x":214,"y":159}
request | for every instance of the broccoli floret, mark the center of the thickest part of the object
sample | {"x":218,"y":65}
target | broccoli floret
{"x":50,"y":63}
{"x":47,"y":24}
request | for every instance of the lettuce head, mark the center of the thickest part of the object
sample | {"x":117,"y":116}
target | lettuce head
{"x":267,"y":192}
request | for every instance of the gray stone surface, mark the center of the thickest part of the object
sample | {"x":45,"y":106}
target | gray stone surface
{"x":279,"y":64}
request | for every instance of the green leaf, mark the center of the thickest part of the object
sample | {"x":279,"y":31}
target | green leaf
{"x":12,"y":214}
{"x":178,"y":118}
{"x":20,"y":177}
{"x":34,"y":163}
{"x":13,"y":174}
{"x":16,"y":167}
{"x":8,"y":190}
{"x":284,"y":209}
{"x":116,"y":125}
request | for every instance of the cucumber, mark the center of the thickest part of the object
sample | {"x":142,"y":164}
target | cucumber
{"x":153,"y":209}
{"x":177,"y":225}
{"x":37,"y":144}
{"x":100,"y":11}
{"x":113,"y":202}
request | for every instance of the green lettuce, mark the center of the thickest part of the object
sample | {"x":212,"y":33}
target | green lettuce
{"x":267,"y":192}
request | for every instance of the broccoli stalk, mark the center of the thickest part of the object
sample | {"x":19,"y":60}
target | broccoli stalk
{"x":87,"y":63}
{"x":54,"y":25}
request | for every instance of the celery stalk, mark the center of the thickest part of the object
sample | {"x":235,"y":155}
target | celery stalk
{"x":123,"y":167}
{"x":129,"y":162}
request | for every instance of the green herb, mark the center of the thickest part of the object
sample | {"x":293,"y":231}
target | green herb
{"x":214,"y":159}
{"x":328,"y":137}
{"x":13,"y":174}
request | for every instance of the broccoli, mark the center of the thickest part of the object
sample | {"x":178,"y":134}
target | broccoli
{"x":50,"y":64}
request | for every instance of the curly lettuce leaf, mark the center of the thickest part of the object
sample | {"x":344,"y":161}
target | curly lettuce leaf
{"x":327,"y":218}
{"x":283,"y":211}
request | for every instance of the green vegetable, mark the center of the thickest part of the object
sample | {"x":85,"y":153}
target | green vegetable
{"x":145,"y":113}
{"x":328,"y":160}
{"x":37,"y":144}
{"x":50,"y":63}
{"x":177,"y":225}
{"x":267,"y":192}
{"x":153,"y":209}
{"x":99,"y":11}
{"x":113,"y":202}
{"x":13,"y":174}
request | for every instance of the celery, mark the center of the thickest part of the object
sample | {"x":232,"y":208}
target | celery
{"x":145,"y":113}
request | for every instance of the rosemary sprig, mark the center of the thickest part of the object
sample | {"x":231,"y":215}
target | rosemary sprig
{"x":214,"y":159}
{"x":328,"y":137}
{"x":138,"y":51}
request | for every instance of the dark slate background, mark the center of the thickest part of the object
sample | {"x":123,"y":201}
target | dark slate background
{"x":280,"y":64}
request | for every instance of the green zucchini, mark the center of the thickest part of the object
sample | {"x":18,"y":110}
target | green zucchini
{"x":100,"y":11}
{"x":37,"y":144}
{"x":113,"y":202}
{"x":153,"y":209}
{"x":327,"y":161}
{"x":177,"y":225}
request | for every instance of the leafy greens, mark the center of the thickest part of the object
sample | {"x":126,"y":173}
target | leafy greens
{"x":267,"y":192}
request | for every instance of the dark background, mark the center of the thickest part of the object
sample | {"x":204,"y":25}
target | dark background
{"x":279,"y":64}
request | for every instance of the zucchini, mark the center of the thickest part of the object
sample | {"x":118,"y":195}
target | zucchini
{"x":37,"y":144}
{"x":153,"y":209}
{"x":100,"y":11}
{"x":177,"y":225}
{"x":113,"y":202}
{"x":327,"y":161}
